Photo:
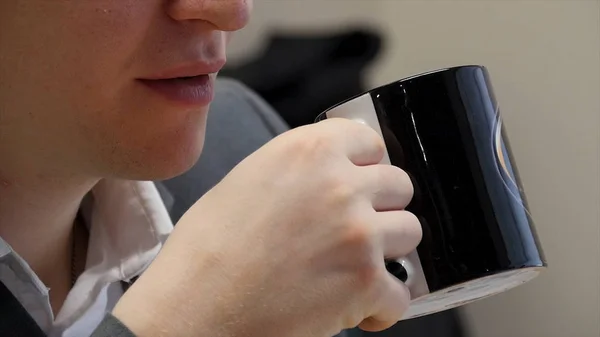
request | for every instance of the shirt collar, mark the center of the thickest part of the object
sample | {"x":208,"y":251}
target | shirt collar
{"x":128,"y":223}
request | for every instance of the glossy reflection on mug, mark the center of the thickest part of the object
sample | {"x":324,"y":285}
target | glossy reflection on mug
{"x":445,"y":130}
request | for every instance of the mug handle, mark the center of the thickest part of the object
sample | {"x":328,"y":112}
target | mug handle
{"x":397,"y":269}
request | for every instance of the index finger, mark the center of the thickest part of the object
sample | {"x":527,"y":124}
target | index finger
{"x":359,"y":142}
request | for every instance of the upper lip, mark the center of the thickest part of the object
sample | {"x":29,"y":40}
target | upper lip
{"x":189,"y":69}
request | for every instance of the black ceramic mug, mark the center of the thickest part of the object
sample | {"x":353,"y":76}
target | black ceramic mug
{"x":444,"y":129}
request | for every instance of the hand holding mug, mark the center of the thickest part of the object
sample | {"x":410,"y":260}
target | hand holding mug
{"x":291,"y":243}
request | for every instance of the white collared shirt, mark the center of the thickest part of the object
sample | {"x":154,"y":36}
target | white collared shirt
{"x":128,"y":223}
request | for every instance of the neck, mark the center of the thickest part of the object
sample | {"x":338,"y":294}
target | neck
{"x":37,"y":213}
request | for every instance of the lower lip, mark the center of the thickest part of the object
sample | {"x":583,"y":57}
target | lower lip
{"x":196,"y":90}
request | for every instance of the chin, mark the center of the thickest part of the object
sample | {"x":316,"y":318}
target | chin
{"x":161,"y":159}
{"x":169,"y":167}
{"x":154,"y":167}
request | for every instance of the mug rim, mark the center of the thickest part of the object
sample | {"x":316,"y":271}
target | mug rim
{"x":322,"y":115}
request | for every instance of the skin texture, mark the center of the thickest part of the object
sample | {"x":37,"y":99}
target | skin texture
{"x":69,"y":93}
{"x":285,"y":255}
{"x":72,"y":110}
{"x":245,"y":260}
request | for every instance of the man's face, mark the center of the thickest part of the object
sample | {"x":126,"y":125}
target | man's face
{"x":102,"y":87}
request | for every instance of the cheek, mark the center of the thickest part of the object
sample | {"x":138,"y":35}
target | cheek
{"x":80,"y":69}
{"x":106,"y":40}
{"x":61,"y":59}
{"x":80,"y":52}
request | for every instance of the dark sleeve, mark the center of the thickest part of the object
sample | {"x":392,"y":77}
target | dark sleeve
{"x":112,"y":327}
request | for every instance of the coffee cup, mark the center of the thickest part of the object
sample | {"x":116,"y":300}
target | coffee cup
{"x":444,"y":129}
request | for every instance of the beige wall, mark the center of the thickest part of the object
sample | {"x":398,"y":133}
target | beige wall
{"x":544,"y":59}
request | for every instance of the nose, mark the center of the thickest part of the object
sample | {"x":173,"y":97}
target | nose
{"x":225,"y":15}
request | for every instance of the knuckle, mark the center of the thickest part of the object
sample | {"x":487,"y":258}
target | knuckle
{"x":340,"y":191}
{"x":371,"y":137}
{"x":367,"y":276}
{"x":395,"y":176}
{"x":358,"y":129}
{"x":359,"y":239}
{"x":378,"y":144}
{"x":321,"y":143}
{"x":413,"y":225}
{"x":359,"y":236}
{"x":391,"y":172}
{"x":374,"y":138}
{"x":404,"y":300}
{"x":316,"y":145}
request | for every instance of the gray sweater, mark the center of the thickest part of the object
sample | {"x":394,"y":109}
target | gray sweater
{"x":112,"y":327}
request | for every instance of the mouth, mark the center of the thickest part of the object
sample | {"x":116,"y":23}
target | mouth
{"x":192,"y":90}
{"x":189,"y":85}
